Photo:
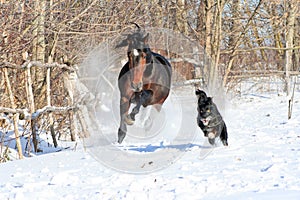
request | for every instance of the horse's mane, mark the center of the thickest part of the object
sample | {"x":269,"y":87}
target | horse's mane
{"x":135,"y":37}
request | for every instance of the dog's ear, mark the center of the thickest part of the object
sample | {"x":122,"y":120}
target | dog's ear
{"x":200,"y":92}
{"x":209,"y":100}
{"x":201,"y":95}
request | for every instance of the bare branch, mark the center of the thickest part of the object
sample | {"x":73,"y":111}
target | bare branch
{"x":261,"y":48}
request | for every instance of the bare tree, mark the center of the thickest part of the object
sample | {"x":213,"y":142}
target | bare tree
{"x":290,"y":23}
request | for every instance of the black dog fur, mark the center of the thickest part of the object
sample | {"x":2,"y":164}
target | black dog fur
{"x":210,"y":120}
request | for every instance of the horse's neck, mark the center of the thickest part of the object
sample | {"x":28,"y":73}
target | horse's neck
{"x":124,"y":70}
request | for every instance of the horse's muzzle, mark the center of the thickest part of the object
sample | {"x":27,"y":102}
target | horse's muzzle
{"x":137,"y":87}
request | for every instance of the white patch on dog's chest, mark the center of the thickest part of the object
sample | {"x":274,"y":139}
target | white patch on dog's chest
{"x":206,"y":120}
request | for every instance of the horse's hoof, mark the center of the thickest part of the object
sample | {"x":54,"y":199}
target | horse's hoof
{"x":121,"y":136}
{"x":129,"y":120}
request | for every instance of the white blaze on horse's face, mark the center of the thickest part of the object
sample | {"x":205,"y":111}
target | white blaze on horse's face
{"x":137,"y":64}
{"x":135,"y":52}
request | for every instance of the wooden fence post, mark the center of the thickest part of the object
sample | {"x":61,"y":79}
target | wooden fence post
{"x":69,"y":86}
{"x":15,"y":115}
{"x":31,"y":114}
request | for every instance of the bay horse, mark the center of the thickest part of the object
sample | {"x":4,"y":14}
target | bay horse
{"x":144,"y":80}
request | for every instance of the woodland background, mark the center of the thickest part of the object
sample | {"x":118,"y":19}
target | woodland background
{"x":42,"y":42}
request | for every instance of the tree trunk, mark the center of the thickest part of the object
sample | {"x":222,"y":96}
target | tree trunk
{"x":201,"y":24}
{"x":217,"y":43}
{"x":297,"y":43}
{"x":51,"y":119}
{"x":38,"y":54}
{"x":38,"y":51}
{"x":181,"y":17}
{"x":290,"y":25}
{"x":32,"y":107}
{"x":48,"y":82}
{"x":234,"y":37}
{"x":208,"y":26}
{"x":277,"y":36}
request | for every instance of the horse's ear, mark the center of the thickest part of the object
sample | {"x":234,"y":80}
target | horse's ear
{"x":139,"y":28}
{"x":197,"y":92}
{"x":122,"y":44}
{"x":146,"y":39}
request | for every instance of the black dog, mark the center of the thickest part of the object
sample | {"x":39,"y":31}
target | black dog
{"x":210,"y":120}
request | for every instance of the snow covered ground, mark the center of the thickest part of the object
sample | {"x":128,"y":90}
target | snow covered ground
{"x":262,"y":161}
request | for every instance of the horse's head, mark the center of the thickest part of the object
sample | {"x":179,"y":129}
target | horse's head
{"x":138,"y":55}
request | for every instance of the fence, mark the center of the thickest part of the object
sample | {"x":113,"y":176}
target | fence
{"x":262,"y":81}
{"x":37,"y":98}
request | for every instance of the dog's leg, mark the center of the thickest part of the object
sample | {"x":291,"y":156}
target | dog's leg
{"x":212,"y":134}
{"x":224,"y":135}
{"x":211,"y":141}
{"x":202,"y":127}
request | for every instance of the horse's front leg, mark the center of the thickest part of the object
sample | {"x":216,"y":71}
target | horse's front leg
{"x":136,"y":109}
{"x":124,"y":107}
{"x":141,"y":98}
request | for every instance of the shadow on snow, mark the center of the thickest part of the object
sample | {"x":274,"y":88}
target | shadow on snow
{"x":152,"y":148}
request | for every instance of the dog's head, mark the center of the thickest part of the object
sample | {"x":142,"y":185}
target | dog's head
{"x":205,"y":108}
{"x":205,"y":105}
